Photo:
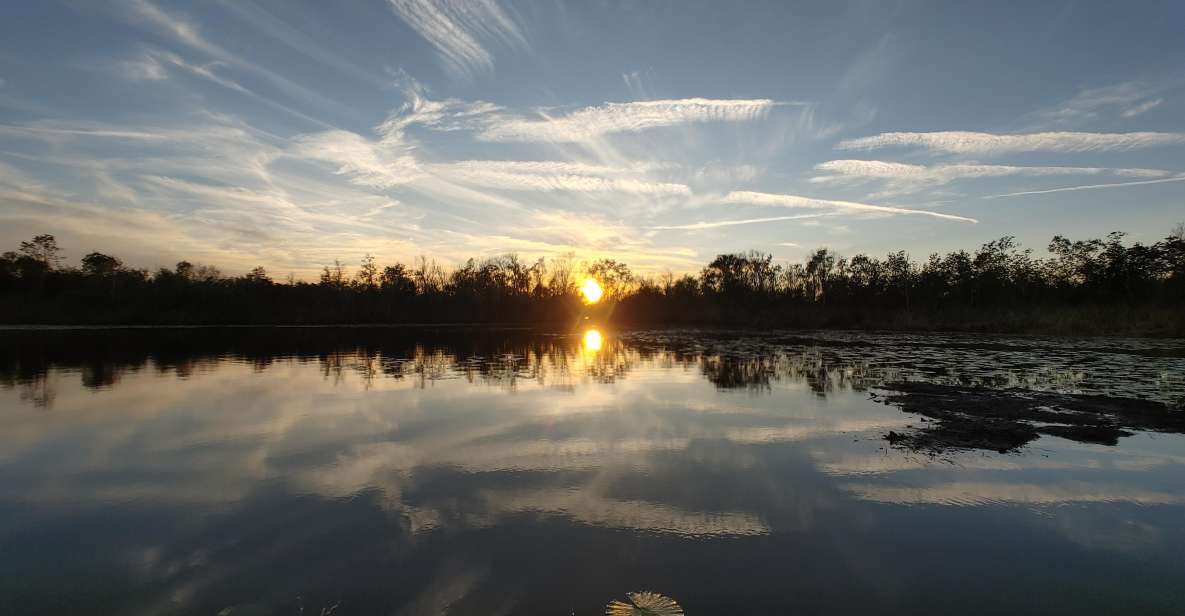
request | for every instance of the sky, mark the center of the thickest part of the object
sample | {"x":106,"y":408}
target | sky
{"x":292,"y":133}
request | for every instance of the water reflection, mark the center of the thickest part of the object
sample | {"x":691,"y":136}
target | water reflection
{"x":1145,"y":369}
{"x":422,"y":471}
{"x":592,"y":341}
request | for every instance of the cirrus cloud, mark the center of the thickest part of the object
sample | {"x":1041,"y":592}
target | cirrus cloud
{"x":796,"y":201}
{"x":554,"y":176}
{"x":968,"y":142}
{"x":904,"y":178}
{"x":459,"y":30}
{"x":379,"y":165}
{"x":593,"y":122}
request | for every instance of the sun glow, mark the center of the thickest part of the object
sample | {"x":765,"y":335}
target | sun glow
{"x":592,"y":291}
{"x":593,"y":341}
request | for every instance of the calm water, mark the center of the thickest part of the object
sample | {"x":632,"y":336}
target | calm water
{"x":400,"y":471}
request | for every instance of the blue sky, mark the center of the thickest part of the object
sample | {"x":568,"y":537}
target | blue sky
{"x":290,"y":134}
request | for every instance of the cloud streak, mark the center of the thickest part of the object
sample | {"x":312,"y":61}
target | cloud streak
{"x":795,"y":201}
{"x":546,"y":176}
{"x":730,"y":223}
{"x":186,"y":31}
{"x":368,"y":163}
{"x":876,"y":169}
{"x":1127,"y":99}
{"x":903,"y":178}
{"x":1178,"y":178}
{"x":458,"y":30}
{"x":1142,"y":107}
{"x":966,"y":142}
{"x":152,"y":67}
{"x":593,"y":122}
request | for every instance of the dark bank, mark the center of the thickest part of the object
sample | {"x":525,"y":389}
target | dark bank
{"x":1096,"y":286}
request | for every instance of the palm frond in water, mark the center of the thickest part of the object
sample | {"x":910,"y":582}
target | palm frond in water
{"x":644,"y":603}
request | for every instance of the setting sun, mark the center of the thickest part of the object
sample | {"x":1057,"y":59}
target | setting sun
{"x":592,"y":291}
{"x":592,"y":341}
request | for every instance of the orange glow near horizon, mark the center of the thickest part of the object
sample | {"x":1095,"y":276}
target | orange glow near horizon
{"x":593,"y":341}
{"x":592,"y":291}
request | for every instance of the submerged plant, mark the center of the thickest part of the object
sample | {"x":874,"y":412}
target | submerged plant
{"x":644,"y":603}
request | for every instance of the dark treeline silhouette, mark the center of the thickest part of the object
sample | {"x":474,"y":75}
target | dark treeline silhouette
{"x":1095,"y":285}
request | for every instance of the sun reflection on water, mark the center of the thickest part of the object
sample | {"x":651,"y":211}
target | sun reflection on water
{"x":593,"y":341}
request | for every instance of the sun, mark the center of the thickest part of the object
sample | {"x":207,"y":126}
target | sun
{"x":593,"y":341}
{"x":592,"y":291}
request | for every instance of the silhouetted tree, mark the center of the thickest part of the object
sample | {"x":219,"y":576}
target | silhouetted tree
{"x":429,"y":276}
{"x":562,"y":281}
{"x":185,"y":270}
{"x":335,"y":276}
{"x":258,"y":275}
{"x":99,"y":264}
{"x":1093,"y":283}
{"x":368,"y":273}
{"x":42,"y":249}
{"x":615,"y":278}
{"x":397,"y":280}
{"x":818,"y":270}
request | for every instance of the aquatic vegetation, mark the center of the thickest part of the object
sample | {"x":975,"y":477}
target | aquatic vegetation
{"x":644,"y":603}
{"x":1006,"y":419}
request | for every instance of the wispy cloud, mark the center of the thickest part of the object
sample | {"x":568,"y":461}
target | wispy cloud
{"x":143,"y":68}
{"x":946,"y":173}
{"x":587,"y":126}
{"x":1127,"y":99}
{"x":554,"y":176}
{"x":177,"y":25}
{"x":549,"y":167}
{"x":965,"y":142}
{"x":1142,"y":107}
{"x":186,"y":31}
{"x":730,"y":223}
{"x":153,"y":63}
{"x":593,"y":122}
{"x":719,"y":173}
{"x":444,"y":115}
{"x":390,"y":161}
{"x":796,"y":201}
{"x":903,"y":178}
{"x":280,"y":29}
{"x":212,"y":185}
{"x":636,"y":83}
{"x":1177,"y":178}
{"x":557,"y":233}
{"x":49,"y":130}
{"x":459,"y":30}
{"x":235,"y":224}
{"x":366,"y":162}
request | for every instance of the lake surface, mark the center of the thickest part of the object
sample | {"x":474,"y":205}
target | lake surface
{"x":451,"y":471}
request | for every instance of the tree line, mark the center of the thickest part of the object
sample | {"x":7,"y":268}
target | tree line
{"x":1096,"y":284}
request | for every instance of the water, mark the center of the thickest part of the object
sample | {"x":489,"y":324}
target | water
{"x":431,"y":471}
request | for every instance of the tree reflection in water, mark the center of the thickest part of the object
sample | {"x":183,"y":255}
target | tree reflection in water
{"x":824,"y":362}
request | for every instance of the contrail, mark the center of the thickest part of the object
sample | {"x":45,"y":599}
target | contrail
{"x":1178,"y":178}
